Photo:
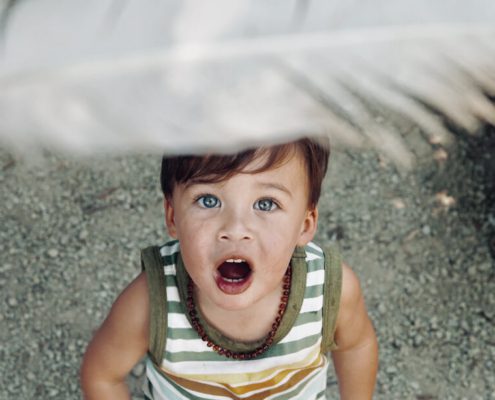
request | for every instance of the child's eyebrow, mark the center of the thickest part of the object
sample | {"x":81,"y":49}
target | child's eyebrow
{"x":277,"y":186}
{"x":198,"y":181}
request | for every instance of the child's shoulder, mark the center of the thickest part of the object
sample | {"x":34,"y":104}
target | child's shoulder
{"x":352,"y":314}
{"x":133,"y":300}
{"x":351,"y":287}
{"x":121,"y":340}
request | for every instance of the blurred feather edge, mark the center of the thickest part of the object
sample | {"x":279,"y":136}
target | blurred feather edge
{"x":427,"y":74}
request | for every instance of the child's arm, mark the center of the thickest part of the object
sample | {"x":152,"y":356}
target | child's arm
{"x":356,"y":356}
{"x":118,"y":345}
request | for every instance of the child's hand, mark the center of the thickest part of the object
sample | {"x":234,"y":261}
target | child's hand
{"x":118,"y":345}
{"x":356,"y":356}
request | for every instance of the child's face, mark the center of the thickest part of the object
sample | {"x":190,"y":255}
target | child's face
{"x":237,"y":236}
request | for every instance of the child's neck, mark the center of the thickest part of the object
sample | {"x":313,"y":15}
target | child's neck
{"x":247,"y":325}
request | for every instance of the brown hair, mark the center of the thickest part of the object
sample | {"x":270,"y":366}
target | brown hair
{"x":211,"y":168}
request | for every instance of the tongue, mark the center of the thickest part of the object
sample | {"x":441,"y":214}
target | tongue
{"x":234,"y":270}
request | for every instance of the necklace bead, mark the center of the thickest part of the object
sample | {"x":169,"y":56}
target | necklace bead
{"x":193,"y":314}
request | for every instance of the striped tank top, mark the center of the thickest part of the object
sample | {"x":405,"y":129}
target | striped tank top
{"x":292,"y":368}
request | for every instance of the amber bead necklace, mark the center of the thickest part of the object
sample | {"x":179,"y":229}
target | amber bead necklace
{"x":191,"y":308}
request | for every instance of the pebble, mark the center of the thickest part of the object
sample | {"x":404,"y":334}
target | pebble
{"x":472,"y":270}
{"x":12,"y":301}
{"x":52,"y":253}
{"x":6,"y":267}
{"x":485,"y":267}
{"x":391,"y":370}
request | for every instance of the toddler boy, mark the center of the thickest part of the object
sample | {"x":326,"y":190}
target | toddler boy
{"x":244,"y":305}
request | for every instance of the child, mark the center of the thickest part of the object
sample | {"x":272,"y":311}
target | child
{"x":243,"y":305}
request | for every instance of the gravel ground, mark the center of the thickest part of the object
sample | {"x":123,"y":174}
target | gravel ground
{"x":419,"y":240}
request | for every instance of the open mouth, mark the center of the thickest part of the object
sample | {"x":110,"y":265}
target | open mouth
{"x":234,"y":270}
{"x":233,"y":275}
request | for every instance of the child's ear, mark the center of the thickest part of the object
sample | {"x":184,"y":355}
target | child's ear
{"x":309,"y":226}
{"x":170,"y":218}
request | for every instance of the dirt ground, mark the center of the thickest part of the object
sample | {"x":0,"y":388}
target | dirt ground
{"x":419,"y":240}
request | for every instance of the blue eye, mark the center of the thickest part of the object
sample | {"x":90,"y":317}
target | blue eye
{"x":265,"y":205}
{"x":208,"y":201}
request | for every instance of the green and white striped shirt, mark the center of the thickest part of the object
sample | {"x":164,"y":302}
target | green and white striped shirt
{"x":292,"y":368}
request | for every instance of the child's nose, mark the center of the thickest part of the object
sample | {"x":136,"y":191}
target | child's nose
{"x":234,"y":227}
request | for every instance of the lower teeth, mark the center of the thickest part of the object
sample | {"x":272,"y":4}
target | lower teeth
{"x":232,"y":280}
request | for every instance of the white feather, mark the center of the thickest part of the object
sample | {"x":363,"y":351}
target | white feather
{"x":183,"y":76}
